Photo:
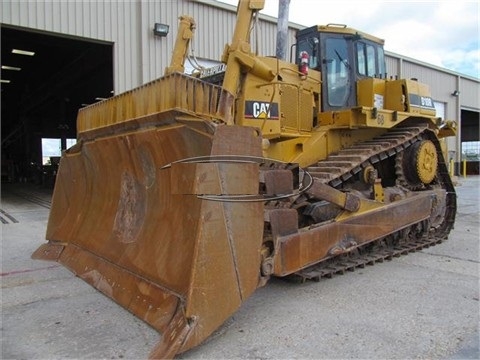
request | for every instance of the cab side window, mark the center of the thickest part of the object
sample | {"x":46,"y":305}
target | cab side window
{"x":370,"y":60}
{"x":309,"y":45}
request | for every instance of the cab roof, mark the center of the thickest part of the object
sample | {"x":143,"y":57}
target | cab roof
{"x":343,"y":29}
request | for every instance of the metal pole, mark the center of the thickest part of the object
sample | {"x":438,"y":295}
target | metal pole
{"x":458,"y":113}
{"x":282,"y":28}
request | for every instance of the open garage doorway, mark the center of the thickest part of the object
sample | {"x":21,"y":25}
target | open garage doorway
{"x":470,"y":140}
{"x":46,"y":78}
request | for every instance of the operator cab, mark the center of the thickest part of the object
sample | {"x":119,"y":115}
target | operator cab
{"x":343,"y":56}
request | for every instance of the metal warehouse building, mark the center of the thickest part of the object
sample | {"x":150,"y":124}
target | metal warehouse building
{"x":85,"y":51}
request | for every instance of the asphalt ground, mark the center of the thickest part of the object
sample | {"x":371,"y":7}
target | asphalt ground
{"x":421,"y":306}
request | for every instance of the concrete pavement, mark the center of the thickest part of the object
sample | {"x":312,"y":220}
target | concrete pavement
{"x":424,"y":305}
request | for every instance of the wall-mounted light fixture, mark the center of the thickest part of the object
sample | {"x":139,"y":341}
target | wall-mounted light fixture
{"x":160,"y":29}
{"x":456,"y":93}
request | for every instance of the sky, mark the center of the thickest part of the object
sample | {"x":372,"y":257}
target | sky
{"x":442,"y":33}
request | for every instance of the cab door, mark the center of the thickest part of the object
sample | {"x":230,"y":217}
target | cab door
{"x":338,"y":75}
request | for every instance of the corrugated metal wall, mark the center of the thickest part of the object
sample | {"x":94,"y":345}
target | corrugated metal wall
{"x":139,"y":56}
{"x":214,"y":29}
{"x":469,"y":92}
{"x":104,"y":20}
{"x":392,"y":65}
{"x":441,"y":84}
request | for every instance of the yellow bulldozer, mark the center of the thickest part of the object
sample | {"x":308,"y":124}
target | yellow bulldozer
{"x":183,"y":196}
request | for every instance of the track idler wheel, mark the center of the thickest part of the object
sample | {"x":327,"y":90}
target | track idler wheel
{"x":420,"y":163}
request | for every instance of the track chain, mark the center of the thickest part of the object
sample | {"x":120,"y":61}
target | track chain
{"x":338,"y":168}
{"x":350,"y":262}
{"x":344,"y":164}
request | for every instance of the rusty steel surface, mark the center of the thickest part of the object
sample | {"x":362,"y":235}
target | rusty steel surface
{"x":172,"y":92}
{"x":344,"y":200}
{"x":308,"y":247}
{"x":120,"y":223}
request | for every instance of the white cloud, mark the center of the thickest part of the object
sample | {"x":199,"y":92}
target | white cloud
{"x":443,"y":33}
{"x":464,"y":59}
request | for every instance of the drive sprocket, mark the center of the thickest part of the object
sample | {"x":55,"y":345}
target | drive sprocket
{"x":417,"y":166}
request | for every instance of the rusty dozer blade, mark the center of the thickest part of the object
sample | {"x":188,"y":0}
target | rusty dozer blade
{"x":138,"y":231}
